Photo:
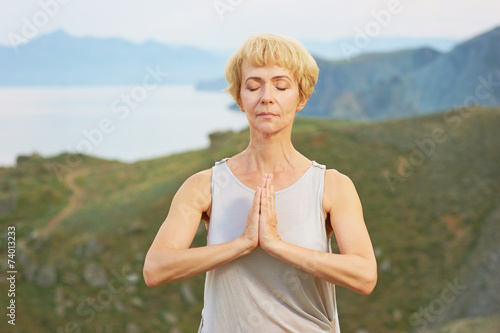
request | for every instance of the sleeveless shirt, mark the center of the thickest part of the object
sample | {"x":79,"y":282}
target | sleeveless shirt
{"x":257,"y":292}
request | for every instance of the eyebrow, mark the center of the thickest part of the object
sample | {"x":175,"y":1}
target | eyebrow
{"x":279,"y":77}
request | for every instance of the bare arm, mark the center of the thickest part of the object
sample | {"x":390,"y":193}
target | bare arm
{"x":170,"y":257}
{"x":355,"y":267}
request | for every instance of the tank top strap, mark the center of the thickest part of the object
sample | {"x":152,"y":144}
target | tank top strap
{"x":221,"y":161}
{"x":316,"y":164}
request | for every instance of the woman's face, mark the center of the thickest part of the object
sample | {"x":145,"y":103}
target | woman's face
{"x":269,"y":97}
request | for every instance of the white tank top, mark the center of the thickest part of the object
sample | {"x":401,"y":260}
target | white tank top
{"x":257,"y":292}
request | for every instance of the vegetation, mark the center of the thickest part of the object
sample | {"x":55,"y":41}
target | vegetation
{"x":428,"y":185}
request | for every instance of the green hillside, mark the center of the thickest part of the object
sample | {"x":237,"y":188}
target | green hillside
{"x":429,"y":188}
{"x":476,"y":324}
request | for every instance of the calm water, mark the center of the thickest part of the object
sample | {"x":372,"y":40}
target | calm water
{"x":104,"y":122}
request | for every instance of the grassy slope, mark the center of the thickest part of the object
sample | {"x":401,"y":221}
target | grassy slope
{"x":477,"y":324}
{"x":423,"y":221}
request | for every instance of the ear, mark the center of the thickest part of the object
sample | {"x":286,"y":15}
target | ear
{"x":240,"y":105}
{"x":301,"y":105}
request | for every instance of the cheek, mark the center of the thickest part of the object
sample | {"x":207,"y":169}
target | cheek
{"x":292,"y":101}
{"x":247,"y":100}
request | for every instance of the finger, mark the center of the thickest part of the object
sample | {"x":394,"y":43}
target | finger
{"x":256,"y":200}
{"x":269,"y":199}
{"x":263,"y":200}
{"x":269,"y":179}
{"x":263,"y":181}
{"x":273,"y":198}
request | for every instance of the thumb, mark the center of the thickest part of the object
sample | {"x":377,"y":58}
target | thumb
{"x":256,"y":201}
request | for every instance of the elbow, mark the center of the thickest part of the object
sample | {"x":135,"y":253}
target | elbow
{"x":149,"y":277}
{"x":367,"y":288}
{"x":154,"y":276}
{"x":368,"y":283}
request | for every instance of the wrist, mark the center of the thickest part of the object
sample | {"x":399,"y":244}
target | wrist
{"x":273,"y":247}
{"x":245,"y":244}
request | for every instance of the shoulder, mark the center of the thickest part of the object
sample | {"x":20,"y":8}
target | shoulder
{"x":335,"y":179}
{"x":197,"y":189}
{"x":201,"y":178}
{"x":337,"y":187}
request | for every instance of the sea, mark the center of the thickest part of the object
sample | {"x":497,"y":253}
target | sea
{"x":126,"y":123}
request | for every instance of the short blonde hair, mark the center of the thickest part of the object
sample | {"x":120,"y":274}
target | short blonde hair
{"x":269,"y":50}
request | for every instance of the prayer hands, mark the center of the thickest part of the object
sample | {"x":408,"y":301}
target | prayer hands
{"x":268,"y":223}
{"x":261,"y":229}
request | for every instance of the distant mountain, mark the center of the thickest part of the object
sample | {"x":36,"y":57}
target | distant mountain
{"x":340,"y":49}
{"x":369,"y":86}
{"x":409,"y":82}
{"x":404,"y":83}
{"x":331,"y":50}
{"x":336,"y":93}
{"x":60,"y":59}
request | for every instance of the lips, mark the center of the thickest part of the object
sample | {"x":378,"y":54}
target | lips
{"x":266,"y":115}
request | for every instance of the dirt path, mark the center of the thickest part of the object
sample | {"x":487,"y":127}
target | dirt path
{"x":75,"y":201}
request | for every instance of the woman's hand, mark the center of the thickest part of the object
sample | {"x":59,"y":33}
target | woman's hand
{"x":251,"y":233}
{"x":261,"y":229}
{"x":268,"y":231}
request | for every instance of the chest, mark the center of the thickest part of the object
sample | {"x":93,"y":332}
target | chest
{"x":280,"y":180}
{"x":299,"y":211}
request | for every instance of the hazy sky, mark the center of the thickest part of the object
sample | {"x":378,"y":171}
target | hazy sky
{"x":225,"y":23}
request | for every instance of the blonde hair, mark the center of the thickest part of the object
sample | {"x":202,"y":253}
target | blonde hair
{"x":269,"y":50}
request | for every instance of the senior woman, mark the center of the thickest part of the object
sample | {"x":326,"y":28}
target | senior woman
{"x":270,"y":212}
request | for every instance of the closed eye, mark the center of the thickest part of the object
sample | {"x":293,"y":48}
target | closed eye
{"x":282,"y":85}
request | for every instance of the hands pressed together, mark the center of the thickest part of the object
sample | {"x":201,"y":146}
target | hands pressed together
{"x":261,"y":229}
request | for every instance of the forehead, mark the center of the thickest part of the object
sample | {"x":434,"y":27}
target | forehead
{"x":264,"y":72}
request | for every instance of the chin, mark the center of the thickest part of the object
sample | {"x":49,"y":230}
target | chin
{"x":268,"y":129}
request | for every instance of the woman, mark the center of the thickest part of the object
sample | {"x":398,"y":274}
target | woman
{"x":270,"y":212}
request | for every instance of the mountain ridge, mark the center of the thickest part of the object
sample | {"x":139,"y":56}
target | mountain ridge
{"x":46,"y":59}
{"x":405,"y":82}
{"x":59,"y":59}
{"x":444,"y":81}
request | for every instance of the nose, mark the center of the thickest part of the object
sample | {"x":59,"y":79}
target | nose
{"x":267,"y":94}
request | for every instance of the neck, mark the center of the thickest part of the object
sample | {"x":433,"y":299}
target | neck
{"x":271,"y":153}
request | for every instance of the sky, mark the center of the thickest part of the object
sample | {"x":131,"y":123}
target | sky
{"x":225,"y":24}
